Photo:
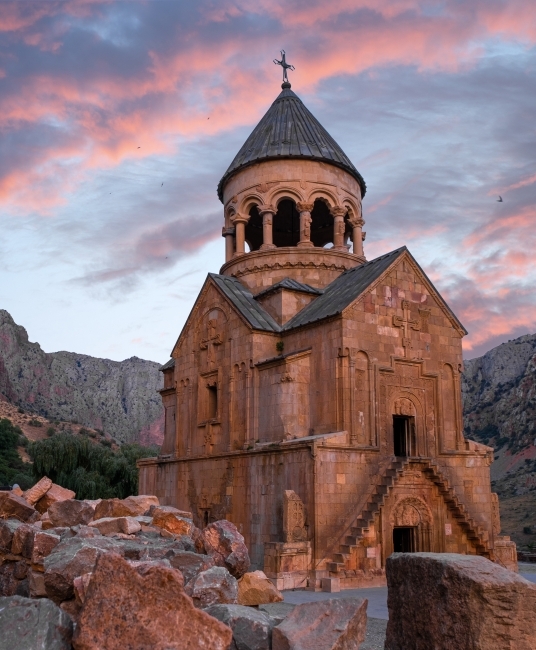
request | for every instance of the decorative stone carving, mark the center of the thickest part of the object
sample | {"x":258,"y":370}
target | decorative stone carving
{"x":294,"y":529}
{"x":411,"y":511}
{"x":404,"y":406}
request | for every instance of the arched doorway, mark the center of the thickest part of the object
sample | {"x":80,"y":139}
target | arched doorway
{"x":404,"y":440}
{"x":412,"y":526}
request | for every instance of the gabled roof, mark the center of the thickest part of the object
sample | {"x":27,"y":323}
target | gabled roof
{"x":169,"y":364}
{"x":344,"y":290}
{"x":245,"y":303}
{"x":291,"y":285}
{"x":290,"y":130}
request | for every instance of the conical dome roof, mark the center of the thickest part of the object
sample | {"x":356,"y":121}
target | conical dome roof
{"x":290,"y":130}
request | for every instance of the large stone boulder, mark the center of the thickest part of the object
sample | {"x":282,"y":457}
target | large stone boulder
{"x":226,"y":545}
{"x":252,"y":630}
{"x":71,"y":558}
{"x":12,"y":505}
{"x":335,"y":624}
{"x":70,"y":513}
{"x":189,"y":564}
{"x":54,"y":494}
{"x":27,"y":624}
{"x":143,"y":611}
{"x":43,"y":545}
{"x":13,"y":579}
{"x":212,"y":587}
{"x":256,"y":589}
{"x":114,"y":508}
{"x":23,"y":539}
{"x":33,"y":495}
{"x":141,"y":503}
{"x":445,"y":600}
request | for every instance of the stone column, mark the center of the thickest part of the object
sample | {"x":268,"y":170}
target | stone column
{"x":357,"y":235}
{"x":338,"y":228}
{"x":267,"y":213}
{"x":305,"y":224}
{"x":228,"y":233}
{"x":240,"y":221}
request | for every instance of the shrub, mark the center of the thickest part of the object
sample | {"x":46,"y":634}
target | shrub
{"x":35,"y":423}
{"x":527,"y":530}
{"x":51,"y":431}
{"x":83,"y":432}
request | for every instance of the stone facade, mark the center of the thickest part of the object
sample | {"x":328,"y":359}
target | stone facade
{"x":313,"y":398}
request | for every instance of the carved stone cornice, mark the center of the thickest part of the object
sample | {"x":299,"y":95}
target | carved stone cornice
{"x":264,"y":209}
{"x":240,"y":218}
{"x":356,"y":222}
{"x":337,"y":211}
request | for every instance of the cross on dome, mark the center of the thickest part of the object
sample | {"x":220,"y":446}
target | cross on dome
{"x":286,"y":66}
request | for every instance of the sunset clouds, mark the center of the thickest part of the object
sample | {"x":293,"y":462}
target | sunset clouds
{"x":102,"y":102}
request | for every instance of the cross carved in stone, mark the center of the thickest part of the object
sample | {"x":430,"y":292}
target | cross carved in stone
{"x":213,"y":338}
{"x":406,"y":323}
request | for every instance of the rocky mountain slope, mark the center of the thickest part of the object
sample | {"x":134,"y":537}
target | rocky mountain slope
{"x":499,"y":400}
{"x":119,"y":398}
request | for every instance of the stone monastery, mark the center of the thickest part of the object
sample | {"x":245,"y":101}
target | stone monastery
{"x":313,"y":397}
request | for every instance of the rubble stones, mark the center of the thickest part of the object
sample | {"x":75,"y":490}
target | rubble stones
{"x":213,"y":586}
{"x":114,"y":508}
{"x":173,"y":523}
{"x":141,"y":503}
{"x":150,"y":611}
{"x":34,"y":625}
{"x":226,"y":545}
{"x":43,"y":544}
{"x":70,"y":513}
{"x":476,"y":604}
{"x":36,"y":584}
{"x":111,"y":525}
{"x":33,"y":495}
{"x":335,"y":624}
{"x":54,"y":493}
{"x":23,"y":539}
{"x":256,"y":589}
{"x":71,"y":558}
{"x":14,"y":506}
{"x":7,"y":530}
{"x":160,"y":509}
{"x":252,"y":629}
{"x":189,"y":564}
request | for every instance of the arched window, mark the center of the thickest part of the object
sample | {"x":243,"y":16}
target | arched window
{"x":286,"y":224}
{"x":322,"y":224}
{"x":253,"y":234}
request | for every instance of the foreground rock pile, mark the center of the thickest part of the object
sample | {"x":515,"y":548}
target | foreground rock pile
{"x":133,"y":574}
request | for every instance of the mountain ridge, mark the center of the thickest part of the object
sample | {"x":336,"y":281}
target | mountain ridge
{"x":119,"y":397}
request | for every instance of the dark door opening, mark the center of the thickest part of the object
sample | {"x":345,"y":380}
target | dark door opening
{"x":404,"y":540}
{"x":403,"y":435}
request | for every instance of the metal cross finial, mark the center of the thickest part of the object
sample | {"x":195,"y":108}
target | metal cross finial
{"x":286,"y":66}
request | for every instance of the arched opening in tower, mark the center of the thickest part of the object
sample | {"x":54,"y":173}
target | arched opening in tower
{"x":286,"y":224}
{"x":322,"y":224}
{"x":253,"y":234}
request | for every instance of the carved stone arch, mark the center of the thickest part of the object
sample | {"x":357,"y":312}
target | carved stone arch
{"x":281,"y":193}
{"x":354,"y":208}
{"x":230,"y":212}
{"x":249,"y":201}
{"x":411,"y":512}
{"x":407,"y":404}
{"x":329,"y":197}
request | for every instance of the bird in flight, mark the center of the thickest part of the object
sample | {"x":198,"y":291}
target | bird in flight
{"x":162,"y":185}
{"x":139,"y":147}
{"x":500,"y":200}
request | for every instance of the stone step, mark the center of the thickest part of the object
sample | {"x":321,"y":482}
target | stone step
{"x":340,"y":558}
{"x":335,"y":567}
{"x":347,"y":549}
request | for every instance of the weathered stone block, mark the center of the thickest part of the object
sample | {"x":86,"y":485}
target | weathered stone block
{"x":12,"y":505}
{"x":256,"y":589}
{"x":43,"y":545}
{"x":443,"y":601}
{"x":7,"y":530}
{"x":33,"y":495}
{"x":111,"y":525}
{"x":252,"y":629}
{"x":189,"y":564}
{"x":226,"y":545}
{"x":70,"y":513}
{"x":34,"y":625}
{"x":54,"y":494}
{"x":335,"y":624}
{"x":213,"y":586}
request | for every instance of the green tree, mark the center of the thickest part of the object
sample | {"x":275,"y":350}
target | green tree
{"x":91,"y":470}
{"x":12,"y":468}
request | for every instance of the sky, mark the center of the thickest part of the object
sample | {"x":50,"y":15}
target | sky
{"x":117,"y":120}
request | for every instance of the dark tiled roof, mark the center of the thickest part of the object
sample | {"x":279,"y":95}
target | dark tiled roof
{"x":290,"y":130}
{"x":243,"y":300}
{"x":343,"y":290}
{"x":292,"y":285}
{"x":169,"y":364}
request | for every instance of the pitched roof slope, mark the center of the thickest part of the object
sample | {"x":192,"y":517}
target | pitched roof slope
{"x":291,"y":285}
{"x":290,"y":130}
{"x":343,"y":290}
{"x":245,"y":303}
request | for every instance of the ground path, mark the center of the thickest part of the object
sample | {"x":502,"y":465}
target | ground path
{"x":377,"y":605}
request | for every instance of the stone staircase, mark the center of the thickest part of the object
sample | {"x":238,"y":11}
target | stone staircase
{"x":377,"y":499}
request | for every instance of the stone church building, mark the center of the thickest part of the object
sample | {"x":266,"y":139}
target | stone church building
{"x":313,"y":396}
